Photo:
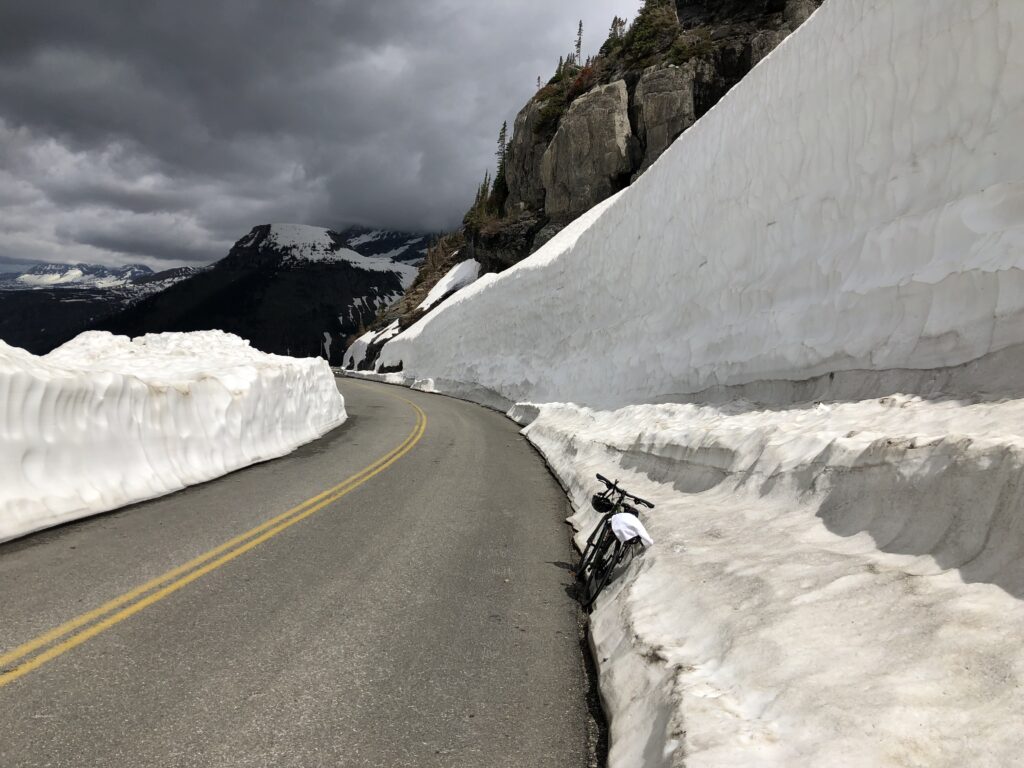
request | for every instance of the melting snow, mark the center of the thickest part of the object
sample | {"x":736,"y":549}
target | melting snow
{"x":105,"y":421}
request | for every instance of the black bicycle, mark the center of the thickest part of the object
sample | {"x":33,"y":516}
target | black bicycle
{"x":604,"y":551}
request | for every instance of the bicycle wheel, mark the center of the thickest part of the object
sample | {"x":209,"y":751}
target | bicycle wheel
{"x":606,"y":557}
{"x":591,"y":547}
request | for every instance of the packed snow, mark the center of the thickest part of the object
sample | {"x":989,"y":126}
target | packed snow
{"x":299,"y":242}
{"x":367,"y":237}
{"x":304,"y":242}
{"x":72,"y":275}
{"x":831,"y":583}
{"x":76,"y":276}
{"x":800,"y":335}
{"x":794,"y":230}
{"x":105,"y":421}
{"x":356,"y":353}
{"x":462,"y":274}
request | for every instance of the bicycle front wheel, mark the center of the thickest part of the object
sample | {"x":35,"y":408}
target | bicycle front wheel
{"x":593,"y":543}
{"x":606,"y":556}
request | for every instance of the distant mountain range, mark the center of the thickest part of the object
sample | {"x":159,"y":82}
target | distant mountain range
{"x":77,"y":275}
{"x":287,"y":288}
{"x":47,"y":304}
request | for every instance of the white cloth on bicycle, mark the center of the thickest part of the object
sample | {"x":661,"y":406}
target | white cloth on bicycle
{"x":626,"y":526}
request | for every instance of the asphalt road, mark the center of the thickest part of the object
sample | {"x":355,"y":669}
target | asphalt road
{"x":422,"y":619}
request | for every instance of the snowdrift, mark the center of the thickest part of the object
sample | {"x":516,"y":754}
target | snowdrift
{"x":801,"y":334}
{"x":831,"y":584}
{"x":855,"y":203}
{"x":105,"y":421}
{"x":458,"y":277}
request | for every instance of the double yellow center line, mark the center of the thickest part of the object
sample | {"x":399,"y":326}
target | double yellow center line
{"x":49,"y":645}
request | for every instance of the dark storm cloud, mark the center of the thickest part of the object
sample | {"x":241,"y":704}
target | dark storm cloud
{"x":161,"y":131}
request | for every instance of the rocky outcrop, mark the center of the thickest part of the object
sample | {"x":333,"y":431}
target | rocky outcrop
{"x":523,"y":162}
{"x":664,"y":105}
{"x":593,"y":130}
{"x":499,"y":248}
{"x":593,"y":154}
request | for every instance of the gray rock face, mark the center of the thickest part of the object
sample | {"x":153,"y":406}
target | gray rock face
{"x":797,"y":11}
{"x":522,"y":164}
{"x":764,"y":42}
{"x":593,"y":154}
{"x":511,"y":243}
{"x":663,"y":105}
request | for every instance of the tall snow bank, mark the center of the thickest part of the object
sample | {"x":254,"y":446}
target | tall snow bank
{"x":856,"y":202}
{"x":356,"y":353}
{"x":832,"y":584}
{"x":105,"y":421}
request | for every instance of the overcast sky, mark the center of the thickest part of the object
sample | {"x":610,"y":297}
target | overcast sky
{"x":160,"y":132}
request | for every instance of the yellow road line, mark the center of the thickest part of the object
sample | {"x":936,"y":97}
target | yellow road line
{"x":276,"y":525}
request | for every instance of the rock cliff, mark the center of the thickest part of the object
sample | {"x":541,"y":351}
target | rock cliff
{"x":597,"y":125}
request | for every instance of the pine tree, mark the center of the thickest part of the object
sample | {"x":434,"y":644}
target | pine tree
{"x":579,"y":43}
{"x":502,"y":146}
{"x":538,"y":83}
{"x":618,"y":29}
{"x":499,"y":190}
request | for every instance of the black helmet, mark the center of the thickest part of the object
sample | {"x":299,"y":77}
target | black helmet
{"x":601,"y":503}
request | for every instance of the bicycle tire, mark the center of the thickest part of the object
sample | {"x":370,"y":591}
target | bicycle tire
{"x":607,"y":558}
{"x":591,"y":547}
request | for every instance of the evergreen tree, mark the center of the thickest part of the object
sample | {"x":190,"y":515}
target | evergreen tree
{"x":499,"y":190}
{"x":579,"y":42}
{"x":502,"y":146}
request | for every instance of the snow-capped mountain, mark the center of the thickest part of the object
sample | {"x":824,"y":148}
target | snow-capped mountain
{"x":399,"y":246}
{"x":75,"y":275}
{"x":47,"y":304}
{"x":287,"y":288}
{"x":299,"y":243}
{"x":128,"y":282}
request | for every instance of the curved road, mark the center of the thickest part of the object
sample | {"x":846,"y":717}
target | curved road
{"x":416,"y":616}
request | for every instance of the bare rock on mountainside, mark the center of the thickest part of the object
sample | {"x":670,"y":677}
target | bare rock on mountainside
{"x":575,"y":143}
{"x":523,"y":162}
{"x":592,"y":155}
{"x":500,"y":247}
{"x":664,"y":105}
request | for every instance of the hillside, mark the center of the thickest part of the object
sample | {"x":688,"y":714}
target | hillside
{"x":288,"y":289}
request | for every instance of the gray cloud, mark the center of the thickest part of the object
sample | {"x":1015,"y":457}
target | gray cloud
{"x":160,"y":132}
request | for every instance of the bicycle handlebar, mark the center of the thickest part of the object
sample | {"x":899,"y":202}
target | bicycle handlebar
{"x":614,"y":488}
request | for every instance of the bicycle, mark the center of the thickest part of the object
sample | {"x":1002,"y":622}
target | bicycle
{"x":603,"y":551}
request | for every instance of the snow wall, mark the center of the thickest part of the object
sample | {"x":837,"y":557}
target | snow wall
{"x":105,"y":421}
{"x":832,"y":583}
{"x":856,"y":202}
